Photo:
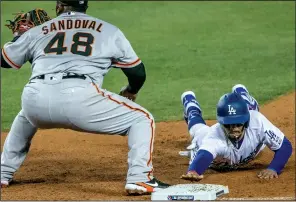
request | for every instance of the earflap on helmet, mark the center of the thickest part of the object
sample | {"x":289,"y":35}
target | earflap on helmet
{"x":232,"y":109}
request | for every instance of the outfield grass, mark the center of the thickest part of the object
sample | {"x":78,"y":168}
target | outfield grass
{"x":202,"y":46}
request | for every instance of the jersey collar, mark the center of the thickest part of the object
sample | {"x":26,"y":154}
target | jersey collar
{"x":72,"y":13}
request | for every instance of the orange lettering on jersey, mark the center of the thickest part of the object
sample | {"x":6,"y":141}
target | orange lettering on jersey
{"x":85,"y":23}
{"x":53,"y":27}
{"x":99,"y":27}
{"x":69,"y":24}
{"x":45,"y":30}
{"x":77,"y":24}
{"x":92,"y":25}
{"x":61,"y":24}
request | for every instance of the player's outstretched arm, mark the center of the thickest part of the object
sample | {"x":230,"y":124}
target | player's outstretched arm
{"x":281,"y":157}
{"x":201,"y":162}
{"x":276,"y":141}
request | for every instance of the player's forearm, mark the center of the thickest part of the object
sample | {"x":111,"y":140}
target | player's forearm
{"x":136,"y":77}
{"x":201,"y":162}
{"x":281,"y":156}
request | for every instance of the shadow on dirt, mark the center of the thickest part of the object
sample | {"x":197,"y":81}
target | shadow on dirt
{"x":70,"y":171}
{"x":251,"y":166}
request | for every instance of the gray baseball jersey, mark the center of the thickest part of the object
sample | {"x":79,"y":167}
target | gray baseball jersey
{"x":72,"y":42}
{"x":81,"y":44}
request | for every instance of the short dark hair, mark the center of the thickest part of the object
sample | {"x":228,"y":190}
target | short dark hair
{"x":79,"y":6}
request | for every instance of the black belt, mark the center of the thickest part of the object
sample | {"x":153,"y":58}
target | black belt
{"x":67,"y":76}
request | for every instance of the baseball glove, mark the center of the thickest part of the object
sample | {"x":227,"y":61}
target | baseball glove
{"x":22,"y":22}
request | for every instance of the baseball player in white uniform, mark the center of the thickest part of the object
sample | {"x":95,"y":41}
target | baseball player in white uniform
{"x":238,"y":137}
{"x":70,"y":56}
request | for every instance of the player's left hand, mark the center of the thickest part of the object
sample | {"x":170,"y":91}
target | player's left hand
{"x":192,"y":176}
{"x":267,"y":174}
{"x":22,"y":29}
{"x":124,"y":92}
{"x":22,"y":22}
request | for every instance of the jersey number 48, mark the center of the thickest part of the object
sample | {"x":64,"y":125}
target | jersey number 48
{"x":79,"y":47}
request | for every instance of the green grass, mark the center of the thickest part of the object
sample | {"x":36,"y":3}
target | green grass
{"x":202,"y":46}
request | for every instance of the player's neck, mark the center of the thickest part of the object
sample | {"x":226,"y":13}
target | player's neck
{"x":69,"y":11}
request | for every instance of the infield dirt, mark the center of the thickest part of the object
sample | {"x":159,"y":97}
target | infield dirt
{"x":69,"y":165}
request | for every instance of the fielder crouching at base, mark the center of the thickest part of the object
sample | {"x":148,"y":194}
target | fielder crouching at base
{"x":241,"y":133}
{"x":70,"y":55}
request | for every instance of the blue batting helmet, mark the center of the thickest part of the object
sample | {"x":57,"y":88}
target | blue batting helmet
{"x":232,"y":109}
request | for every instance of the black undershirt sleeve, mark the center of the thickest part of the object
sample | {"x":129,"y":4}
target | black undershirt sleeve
{"x":4,"y":64}
{"x":136,"y":77}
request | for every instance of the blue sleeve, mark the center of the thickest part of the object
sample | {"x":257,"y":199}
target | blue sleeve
{"x":281,"y":156}
{"x":201,"y":162}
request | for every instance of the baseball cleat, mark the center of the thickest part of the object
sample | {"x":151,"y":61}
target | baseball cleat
{"x":188,"y":99}
{"x":4,"y":184}
{"x":251,"y":101}
{"x":140,"y":188}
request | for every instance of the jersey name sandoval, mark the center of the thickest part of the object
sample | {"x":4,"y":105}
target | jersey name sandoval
{"x":63,"y":25}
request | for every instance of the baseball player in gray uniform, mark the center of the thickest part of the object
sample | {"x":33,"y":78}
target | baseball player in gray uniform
{"x":70,"y":56}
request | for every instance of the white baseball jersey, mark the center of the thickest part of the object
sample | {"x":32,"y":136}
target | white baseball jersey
{"x":260,"y":133}
{"x":72,"y":42}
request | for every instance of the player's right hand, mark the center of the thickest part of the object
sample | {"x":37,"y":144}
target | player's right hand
{"x":125,"y":93}
{"x":267,"y":174}
{"x":192,"y":176}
